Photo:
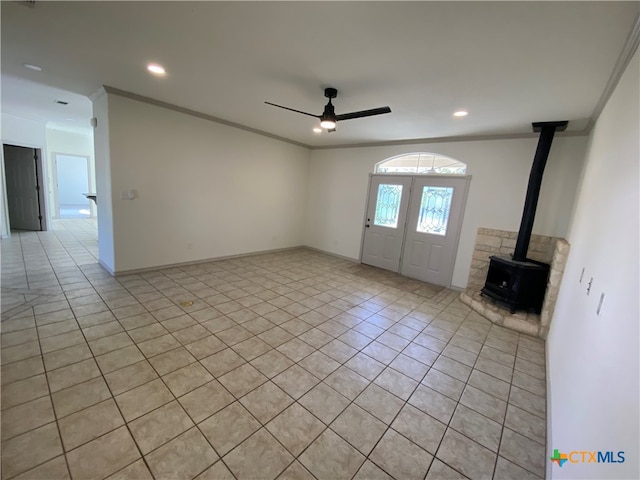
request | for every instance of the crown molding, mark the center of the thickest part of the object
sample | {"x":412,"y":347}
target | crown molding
{"x":453,"y":139}
{"x":194,"y":113}
{"x":469,"y":138}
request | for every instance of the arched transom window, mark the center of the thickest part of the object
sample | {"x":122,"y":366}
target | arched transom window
{"x":422,"y":163}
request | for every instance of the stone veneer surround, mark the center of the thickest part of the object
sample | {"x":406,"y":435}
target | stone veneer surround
{"x":551,"y":250}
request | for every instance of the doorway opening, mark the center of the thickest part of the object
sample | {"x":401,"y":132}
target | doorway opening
{"x":24,"y":193}
{"x":72,"y":181}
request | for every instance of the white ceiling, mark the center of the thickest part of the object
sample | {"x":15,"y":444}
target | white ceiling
{"x":507,"y":63}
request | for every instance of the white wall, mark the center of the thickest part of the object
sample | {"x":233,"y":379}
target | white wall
{"x":203,"y":190}
{"x":592,"y":361}
{"x":72,"y":143}
{"x":106,"y":253}
{"x":500,"y":170}
{"x":22,"y":132}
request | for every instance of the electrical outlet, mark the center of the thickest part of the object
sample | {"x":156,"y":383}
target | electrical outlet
{"x":129,"y":194}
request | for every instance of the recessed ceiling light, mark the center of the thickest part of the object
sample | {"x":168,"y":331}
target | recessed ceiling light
{"x":317,"y":130}
{"x":30,"y":66}
{"x":156,"y":69}
{"x":460,"y":113}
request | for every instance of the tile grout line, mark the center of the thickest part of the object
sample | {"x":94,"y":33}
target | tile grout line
{"x":315,"y":349}
{"x":50,"y":398}
{"x":93,"y":357}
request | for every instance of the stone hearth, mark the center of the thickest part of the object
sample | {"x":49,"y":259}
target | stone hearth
{"x":551,"y":250}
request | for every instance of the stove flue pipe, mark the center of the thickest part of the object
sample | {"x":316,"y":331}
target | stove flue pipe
{"x":547,"y":131}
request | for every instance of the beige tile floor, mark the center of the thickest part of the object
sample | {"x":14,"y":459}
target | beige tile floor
{"x":286,"y":365}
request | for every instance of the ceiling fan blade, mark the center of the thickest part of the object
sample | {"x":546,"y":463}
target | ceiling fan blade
{"x":363,"y":113}
{"x":293,"y":110}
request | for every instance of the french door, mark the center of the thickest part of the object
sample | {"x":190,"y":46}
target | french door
{"x":386,"y":217}
{"x":413,"y":225}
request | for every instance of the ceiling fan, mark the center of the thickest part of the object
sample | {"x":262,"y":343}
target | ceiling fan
{"x":328,"y":119}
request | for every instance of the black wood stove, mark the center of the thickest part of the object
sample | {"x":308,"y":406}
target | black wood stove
{"x":517,"y":282}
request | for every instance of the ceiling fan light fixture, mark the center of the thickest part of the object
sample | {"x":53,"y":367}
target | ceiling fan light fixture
{"x":329,"y":119}
{"x":328,"y":124}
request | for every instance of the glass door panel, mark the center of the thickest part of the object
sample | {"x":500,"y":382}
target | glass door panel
{"x":388,"y":205}
{"x":435,"y":206}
